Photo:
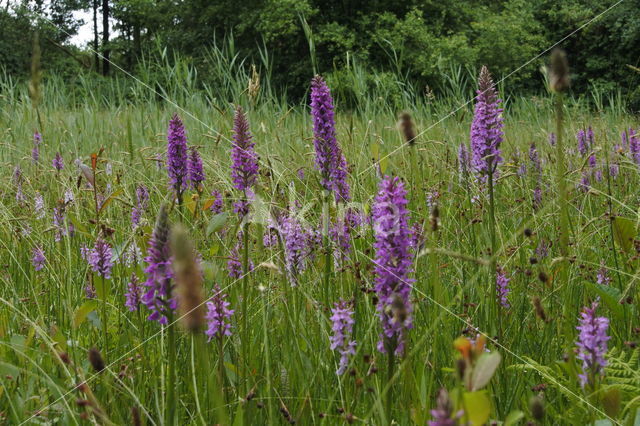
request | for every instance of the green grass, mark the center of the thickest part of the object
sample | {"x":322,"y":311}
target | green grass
{"x":286,"y":353}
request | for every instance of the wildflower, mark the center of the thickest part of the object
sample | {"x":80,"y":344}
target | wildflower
{"x":585,"y":182}
{"x":218,"y":315}
{"x":502,"y":289}
{"x":100,"y":258}
{"x":537,"y":198}
{"x":142,"y":200}
{"x":417,"y":236}
{"x":244,"y":171}
{"x":194,"y":166}
{"x":234,"y":266}
{"x":634,"y":146}
{"x":340,"y":233}
{"x":133,"y":294}
{"x":38,"y":259}
{"x":90,"y":291}
{"x":132,"y":255}
{"x":393,"y":263}
{"x":68,"y":196}
{"x":598,"y":175}
{"x":342,"y":320}
{"x":159,"y":290}
{"x":464,"y":161}
{"x":329,"y":158}
{"x":552,"y":139}
{"x":57,"y":162}
{"x":295,"y":244}
{"x":590,"y":137}
{"x":443,"y":413}
{"x":17,"y":180}
{"x":535,"y":158}
{"x":35,"y":152}
{"x":582,"y":142}
{"x":59,"y":221}
{"x":603,"y":275}
{"x":486,"y":129}
{"x":216,"y":205}
{"x":38,"y":205}
{"x":542,"y":250}
{"x":592,"y":344}
{"x":26,"y":230}
{"x":177,"y":156}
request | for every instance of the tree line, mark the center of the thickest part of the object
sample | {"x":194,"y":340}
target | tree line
{"x":411,"y":39}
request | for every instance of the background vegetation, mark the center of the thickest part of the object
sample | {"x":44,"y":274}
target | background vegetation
{"x":408,"y":44}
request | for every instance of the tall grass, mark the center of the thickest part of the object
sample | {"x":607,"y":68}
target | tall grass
{"x":281,"y":368}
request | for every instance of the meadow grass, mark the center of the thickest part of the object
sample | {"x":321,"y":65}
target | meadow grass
{"x":281,"y":369}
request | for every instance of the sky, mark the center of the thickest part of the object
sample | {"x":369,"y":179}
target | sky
{"x":85,"y":32}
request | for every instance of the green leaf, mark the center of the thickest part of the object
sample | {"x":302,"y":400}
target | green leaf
{"x":477,"y":407}
{"x":109,"y":199}
{"x":513,"y":418}
{"x":610,"y":296}
{"x":611,"y":400}
{"x":81,"y":313}
{"x":103,"y":287}
{"x":624,"y":232}
{"x":484,"y":369}
{"x":216,"y":223}
{"x":60,"y":339}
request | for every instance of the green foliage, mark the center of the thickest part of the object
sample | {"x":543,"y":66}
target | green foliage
{"x":410,"y":42}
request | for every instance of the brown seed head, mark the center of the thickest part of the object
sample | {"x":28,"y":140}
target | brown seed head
{"x":559,"y":80}
{"x":536,"y":405}
{"x":407,"y":127}
{"x":188,"y":280}
{"x":96,"y":360}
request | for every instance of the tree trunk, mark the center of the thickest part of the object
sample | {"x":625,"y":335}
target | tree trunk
{"x":105,"y":37}
{"x":95,"y":35}
{"x":136,"y":40}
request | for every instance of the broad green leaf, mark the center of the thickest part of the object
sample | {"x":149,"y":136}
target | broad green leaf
{"x":610,"y":296}
{"x":238,"y":419}
{"x":102,"y":286}
{"x":207,"y":203}
{"x":216,"y":223}
{"x":484,"y":369}
{"x":94,"y":319}
{"x":81,"y":313}
{"x":79,"y":226}
{"x":477,"y":407}
{"x":190,"y":204}
{"x":611,"y":400}
{"x":60,"y":339}
{"x":624,"y":232}
{"x":109,"y":199}
{"x":513,"y":418}
{"x":375,"y":151}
